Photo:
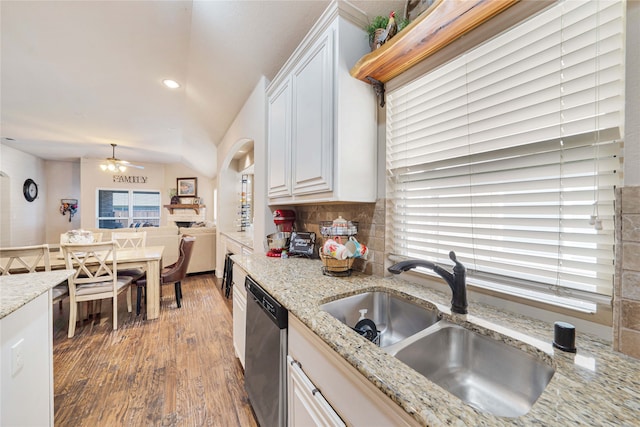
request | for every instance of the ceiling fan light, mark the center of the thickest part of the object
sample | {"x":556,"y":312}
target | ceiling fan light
{"x":103,"y":167}
{"x":122,"y":168}
{"x":111,"y":167}
{"x":171,"y":84}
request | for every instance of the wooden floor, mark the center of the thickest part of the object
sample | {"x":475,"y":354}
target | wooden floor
{"x":178,"y":370}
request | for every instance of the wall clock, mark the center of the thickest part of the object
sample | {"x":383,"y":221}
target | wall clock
{"x":30,"y":190}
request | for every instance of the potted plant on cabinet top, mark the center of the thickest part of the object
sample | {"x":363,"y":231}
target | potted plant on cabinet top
{"x":378,"y":25}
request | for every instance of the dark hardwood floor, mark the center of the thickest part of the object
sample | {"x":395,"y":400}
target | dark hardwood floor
{"x":178,"y":370}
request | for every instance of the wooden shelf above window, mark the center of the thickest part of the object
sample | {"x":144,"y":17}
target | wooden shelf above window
{"x":438,"y":26}
{"x":180,"y":206}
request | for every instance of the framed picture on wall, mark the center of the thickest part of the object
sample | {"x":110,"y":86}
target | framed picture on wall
{"x":187,"y":187}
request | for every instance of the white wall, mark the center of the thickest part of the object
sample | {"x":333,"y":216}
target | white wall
{"x":205,"y":185}
{"x":92,"y":178}
{"x":27,"y":219}
{"x":249,"y":125}
{"x":63,"y":182}
{"x":157,"y":178}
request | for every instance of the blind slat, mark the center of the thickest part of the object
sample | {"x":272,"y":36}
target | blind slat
{"x":506,"y":152}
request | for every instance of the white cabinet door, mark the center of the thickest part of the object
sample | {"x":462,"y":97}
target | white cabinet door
{"x":239,"y":312}
{"x":306,"y":406}
{"x":279,"y":137}
{"x":312,"y":127}
{"x":27,"y":391}
{"x":354,"y":397}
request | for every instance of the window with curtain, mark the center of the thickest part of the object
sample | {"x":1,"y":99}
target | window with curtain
{"x":128,"y":208}
{"x":509,"y":155}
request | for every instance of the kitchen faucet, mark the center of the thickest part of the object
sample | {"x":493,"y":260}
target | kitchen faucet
{"x":457,"y":280}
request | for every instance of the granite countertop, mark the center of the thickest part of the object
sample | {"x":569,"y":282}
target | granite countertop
{"x":595,"y":386}
{"x":245,"y":238}
{"x":17,"y":290}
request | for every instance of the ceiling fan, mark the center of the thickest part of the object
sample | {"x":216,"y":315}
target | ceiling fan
{"x":113,"y":164}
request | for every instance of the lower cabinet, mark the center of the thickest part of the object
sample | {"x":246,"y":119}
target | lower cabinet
{"x":26,"y":381}
{"x":355,"y":399}
{"x":239,"y":312}
{"x":305,"y":404}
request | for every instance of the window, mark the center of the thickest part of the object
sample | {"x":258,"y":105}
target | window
{"x":128,"y":208}
{"x":510,"y":154}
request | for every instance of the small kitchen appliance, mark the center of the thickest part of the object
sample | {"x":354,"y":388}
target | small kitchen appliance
{"x":284,"y":219}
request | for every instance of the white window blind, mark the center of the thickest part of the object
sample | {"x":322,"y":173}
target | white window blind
{"x":505,"y":153}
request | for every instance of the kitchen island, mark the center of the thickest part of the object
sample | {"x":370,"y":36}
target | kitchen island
{"x":595,"y":386}
{"x":26,"y":331}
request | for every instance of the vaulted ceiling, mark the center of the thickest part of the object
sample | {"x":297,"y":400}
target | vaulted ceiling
{"x":77,"y":76}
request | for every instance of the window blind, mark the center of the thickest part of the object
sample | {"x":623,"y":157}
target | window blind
{"x":510,"y":154}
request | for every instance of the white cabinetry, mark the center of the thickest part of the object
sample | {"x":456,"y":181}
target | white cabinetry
{"x":26,"y":377}
{"x":279,"y":137}
{"x":357,"y":401}
{"x":322,"y":143}
{"x":306,"y":406}
{"x":239,"y":312}
{"x":312,"y":125}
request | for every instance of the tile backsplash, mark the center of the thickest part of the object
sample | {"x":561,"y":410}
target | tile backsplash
{"x":370,"y":218}
{"x":626,"y":293}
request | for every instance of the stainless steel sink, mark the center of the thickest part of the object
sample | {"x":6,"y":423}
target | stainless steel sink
{"x":396,"y":318}
{"x":487,"y":374}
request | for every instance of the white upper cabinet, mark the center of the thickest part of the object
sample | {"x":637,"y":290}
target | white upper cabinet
{"x":312,"y":121}
{"x":322,"y":143}
{"x":279,"y":137}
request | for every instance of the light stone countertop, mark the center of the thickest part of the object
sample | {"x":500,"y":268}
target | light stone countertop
{"x":596,"y":386}
{"x":245,"y":238}
{"x":16,"y":290}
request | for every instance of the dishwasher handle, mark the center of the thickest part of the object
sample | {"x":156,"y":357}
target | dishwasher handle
{"x":276,"y":312}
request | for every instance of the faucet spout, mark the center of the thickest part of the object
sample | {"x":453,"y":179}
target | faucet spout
{"x":457,"y":280}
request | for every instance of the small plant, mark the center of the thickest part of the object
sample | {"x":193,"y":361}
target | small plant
{"x":378,"y":22}
{"x":402,"y":23}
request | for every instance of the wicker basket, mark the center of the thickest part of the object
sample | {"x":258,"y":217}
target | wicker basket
{"x":327,"y":229}
{"x":335,"y":267}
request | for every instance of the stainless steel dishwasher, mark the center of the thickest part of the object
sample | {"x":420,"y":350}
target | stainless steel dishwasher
{"x":265,"y":356}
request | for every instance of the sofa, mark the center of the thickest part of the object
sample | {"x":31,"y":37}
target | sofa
{"x":203,"y":258}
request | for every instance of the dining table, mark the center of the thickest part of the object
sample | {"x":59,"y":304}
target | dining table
{"x":148,"y":258}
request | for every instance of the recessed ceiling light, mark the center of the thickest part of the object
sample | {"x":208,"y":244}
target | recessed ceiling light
{"x":171,"y":84}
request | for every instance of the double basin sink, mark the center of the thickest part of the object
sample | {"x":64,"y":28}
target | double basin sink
{"x":485,"y":373}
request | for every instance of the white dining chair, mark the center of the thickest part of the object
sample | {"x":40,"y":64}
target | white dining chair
{"x":25,"y":259}
{"x":133,"y":239}
{"x":96,"y":277}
